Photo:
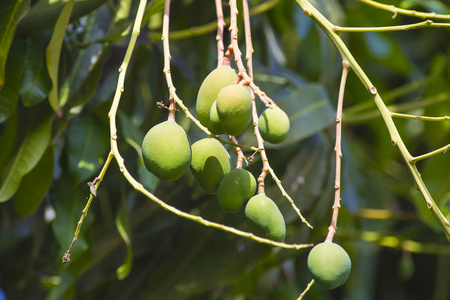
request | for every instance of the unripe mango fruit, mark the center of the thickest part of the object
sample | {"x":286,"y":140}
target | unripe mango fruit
{"x":211,"y":86}
{"x":234,"y":106}
{"x":210,"y":163}
{"x":274,"y":125}
{"x":166,"y":150}
{"x":264,"y":218}
{"x":235,"y":189}
{"x":216,"y":126}
{"x":329,"y":265}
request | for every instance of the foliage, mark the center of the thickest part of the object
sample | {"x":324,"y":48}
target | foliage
{"x":59,"y":75}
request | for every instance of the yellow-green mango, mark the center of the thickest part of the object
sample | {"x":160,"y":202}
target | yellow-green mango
{"x":166,"y":150}
{"x":210,"y":163}
{"x":207,"y":94}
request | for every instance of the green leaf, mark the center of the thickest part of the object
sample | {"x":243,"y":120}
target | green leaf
{"x":7,"y":138}
{"x":87,"y":146}
{"x":35,"y":82}
{"x":43,"y":15}
{"x":123,"y":226}
{"x":90,"y":82}
{"x":53,"y":53}
{"x":9,"y":94}
{"x":29,"y":153}
{"x":35,"y":185}
{"x":10,"y":15}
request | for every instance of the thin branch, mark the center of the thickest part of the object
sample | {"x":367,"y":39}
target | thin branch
{"x":219,"y":36}
{"x":430,"y":154}
{"x":93,"y":193}
{"x":424,"y":24}
{"x":308,"y":287}
{"x":338,"y":149}
{"x":248,"y":39}
{"x":423,"y":118}
{"x":396,"y":10}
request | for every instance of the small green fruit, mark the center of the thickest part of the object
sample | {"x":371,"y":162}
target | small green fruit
{"x":274,"y":125}
{"x":166,"y":150}
{"x":210,"y":163}
{"x":211,"y":86}
{"x":216,"y":126}
{"x":329,"y":265}
{"x":264,"y":218}
{"x":234,"y":106}
{"x":235,"y":189}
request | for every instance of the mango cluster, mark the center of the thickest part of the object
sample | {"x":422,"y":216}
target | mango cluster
{"x":224,"y":107}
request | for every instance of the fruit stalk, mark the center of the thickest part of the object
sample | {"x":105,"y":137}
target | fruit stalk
{"x":338,"y":149}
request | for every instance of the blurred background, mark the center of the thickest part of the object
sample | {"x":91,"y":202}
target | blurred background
{"x":130,"y":248}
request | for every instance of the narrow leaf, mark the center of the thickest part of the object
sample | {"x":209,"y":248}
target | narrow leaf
{"x":35,"y":82}
{"x":11,"y":12}
{"x":123,"y":226}
{"x":9,"y":94}
{"x":35,"y":185}
{"x":27,"y":155}
{"x":53,"y":53}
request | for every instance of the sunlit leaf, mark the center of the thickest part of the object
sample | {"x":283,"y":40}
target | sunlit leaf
{"x":35,"y":185}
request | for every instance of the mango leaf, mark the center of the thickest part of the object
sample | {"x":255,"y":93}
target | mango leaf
{"x":87,"y":146}
{"x":8,"y":138}
{"x":29,"y":153}
{"x":10,"y":15}
{"x":89,"y":83}
{"x":9,"y":94}
{"x":53,"y":53}
{"x":35,"y":185}
{"x":35,"y":83}
{"x":123,"y":226}
{"x":43,"y":15}
{"x":309,"y":111}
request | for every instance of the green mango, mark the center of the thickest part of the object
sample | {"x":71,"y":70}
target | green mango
{"x":264,"y":218}
{"x":234,"y":107}
{"x":210,"y":163}
{"x":211,"y":86}
{"x":329,"y":265}
{"x":274,"y":125}
{"x":235,"y":189}
{"x":216,"y":126}
{"x":166,"y":150}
